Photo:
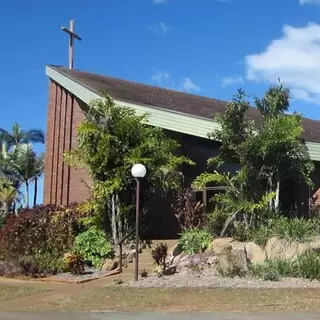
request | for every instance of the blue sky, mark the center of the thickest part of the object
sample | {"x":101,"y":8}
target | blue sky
{"x":207,"y":47}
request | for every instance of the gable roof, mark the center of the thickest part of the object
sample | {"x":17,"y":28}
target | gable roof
{"x":152,"y":96}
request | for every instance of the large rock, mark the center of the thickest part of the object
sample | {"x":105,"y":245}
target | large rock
{"x":174,"y":255}
{"x":220,"y":246}
{"x":282,"y":249}
{"x":110,"y":265}
{"x":254,"y":253}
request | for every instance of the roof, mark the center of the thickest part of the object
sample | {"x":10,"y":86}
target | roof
{"x":153,"y":96}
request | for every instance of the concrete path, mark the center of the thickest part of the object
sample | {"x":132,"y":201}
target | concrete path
{"x":158,"y":316}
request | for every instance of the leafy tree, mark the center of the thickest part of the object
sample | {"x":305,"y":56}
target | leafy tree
{"x":8,"y":194}
{"x":268,"y":153}
{"x":110,"y":140}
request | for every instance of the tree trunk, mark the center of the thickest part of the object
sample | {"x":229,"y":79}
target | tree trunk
{"x":35,"y":192}
{"x":27,"y":194}
{"x":113,"y":220}
{"x":276,"y":201}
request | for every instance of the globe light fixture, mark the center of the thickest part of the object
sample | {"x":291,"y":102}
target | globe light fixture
{"x":138,"y":171}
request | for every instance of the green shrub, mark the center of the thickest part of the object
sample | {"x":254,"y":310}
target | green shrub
{"x":93,"y":246}
{"x":2,"y":221}
{"x":215,"y":221}
{"x":261,"y":235}
{"x":274,"y":269}
{"x":75,"y":263}
{"x":308,"y":265}
{"x":195,"y":241}
{"x":293,"y":229}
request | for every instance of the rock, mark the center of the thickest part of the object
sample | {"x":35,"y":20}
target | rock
{"x":255,"y":253}
{"x":110,"y":265}
{"x":212,"y":260}
{"x":220,"y":246}
{"x":288,"y":250}
{"x":233,"y":264}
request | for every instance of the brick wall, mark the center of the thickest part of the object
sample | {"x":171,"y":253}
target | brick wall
{"x":62,"y":184}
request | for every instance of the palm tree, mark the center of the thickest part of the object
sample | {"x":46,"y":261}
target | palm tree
{"x":8,"y":194}
{"x":39,"y":167}
{"x":25,"y":166}
{"x":17,"y":137}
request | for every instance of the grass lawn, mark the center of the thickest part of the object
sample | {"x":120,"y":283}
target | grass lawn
{"x":9,"y":292}
{"x":118,"y":298}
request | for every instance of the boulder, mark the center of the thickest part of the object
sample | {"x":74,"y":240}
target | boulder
{"x":254,"y":253}
{"x":220,"y":246}
{"x":110,"y":265}
{"x":287,"y":250}
{"x":176,"y":250}
{"x":233,"y":264}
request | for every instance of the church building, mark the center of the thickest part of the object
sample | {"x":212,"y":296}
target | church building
{"x":186,"y":117}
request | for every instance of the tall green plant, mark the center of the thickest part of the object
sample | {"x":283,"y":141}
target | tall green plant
{"x":110,"y":140}
{"x":268,"y":153}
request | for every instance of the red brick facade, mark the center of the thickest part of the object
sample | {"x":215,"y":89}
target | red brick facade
{"x":62,"y":184}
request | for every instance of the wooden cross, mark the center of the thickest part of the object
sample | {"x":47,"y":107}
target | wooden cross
{"x":72,"y":36}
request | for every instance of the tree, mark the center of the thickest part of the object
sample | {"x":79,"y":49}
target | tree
{"x":26,"y":167}
{"x":110,"y":140}
{"x":39,"y":167}
{"x":18,"y":136}
{"x":8,"y":194}
{"x":268,"y":153}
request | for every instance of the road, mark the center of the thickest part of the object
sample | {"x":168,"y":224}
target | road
{"x":158,"y":316}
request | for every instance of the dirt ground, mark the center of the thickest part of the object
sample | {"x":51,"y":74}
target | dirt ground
{"x":103,"y":295}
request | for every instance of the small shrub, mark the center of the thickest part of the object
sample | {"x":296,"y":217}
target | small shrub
{"x":75,"y":263}
{"x":118,"y":281}
{"x":93,"y":246}
{"x":261,"y":235}
{"x":308,"y":265}
{"x":2,"y":220}
{"x":271,"y":275}
{"x":195,"y":241}
{"x":159,"y":254}
{"x":188,"y":212}
{"x":273,"y":270}
{"x":300,"y":230}
{"x":242,"y":232}
{"x":144,"y":273}
{"x":215,"y":221}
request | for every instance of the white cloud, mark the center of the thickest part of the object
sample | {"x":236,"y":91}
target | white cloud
{"x":303,"y":2}
{"x":159,"y":1}
{"x":294,"y":58}
{"x":160,"y":78}
{"x":188,"y":85}
{"x":164,"y":79}
{"x":228,"y":81}
{"x":161,"y":29}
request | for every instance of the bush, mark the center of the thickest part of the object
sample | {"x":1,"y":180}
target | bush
{"x":93,"y":246}
{"x":274,"y":269}
{"x":2,"y":220}
{"x":44,"y":230}
{"x":215,"y":221}
{"x":293,"y":229}
{"x":308,"y":265}
{"x":75,"y":263}
{"x":195,"y":241}
{"x":159,"y":254}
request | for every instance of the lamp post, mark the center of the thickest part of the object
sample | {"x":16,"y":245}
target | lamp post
{"x":138,"y":171}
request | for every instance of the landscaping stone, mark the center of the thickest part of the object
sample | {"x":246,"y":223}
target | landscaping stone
{"x":110,"y":265}
{"x":286,"y":250}
{"x":220,"y":246}
{"x":254,"y":253}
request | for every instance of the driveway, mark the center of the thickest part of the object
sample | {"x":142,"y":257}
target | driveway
{"x":158,"y":316}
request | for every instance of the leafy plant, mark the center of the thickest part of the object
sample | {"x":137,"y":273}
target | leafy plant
{"x":295,"y":229}
{"x":118,"y":281}
{"x":44,"y":230}
{"x":215,"y":221}
{"x":308,"y":265}
{"x":144,"y":273}
{"x":188,"y":212}
{"x":75,"y":263}
{"x":195,"y":241}
{"x":159,"y":254}
{"x":93,"y":246}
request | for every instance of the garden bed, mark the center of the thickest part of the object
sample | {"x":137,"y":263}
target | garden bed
{"x":207,"y":280}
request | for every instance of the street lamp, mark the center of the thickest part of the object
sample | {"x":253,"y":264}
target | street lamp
{"x":138,"y":171}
